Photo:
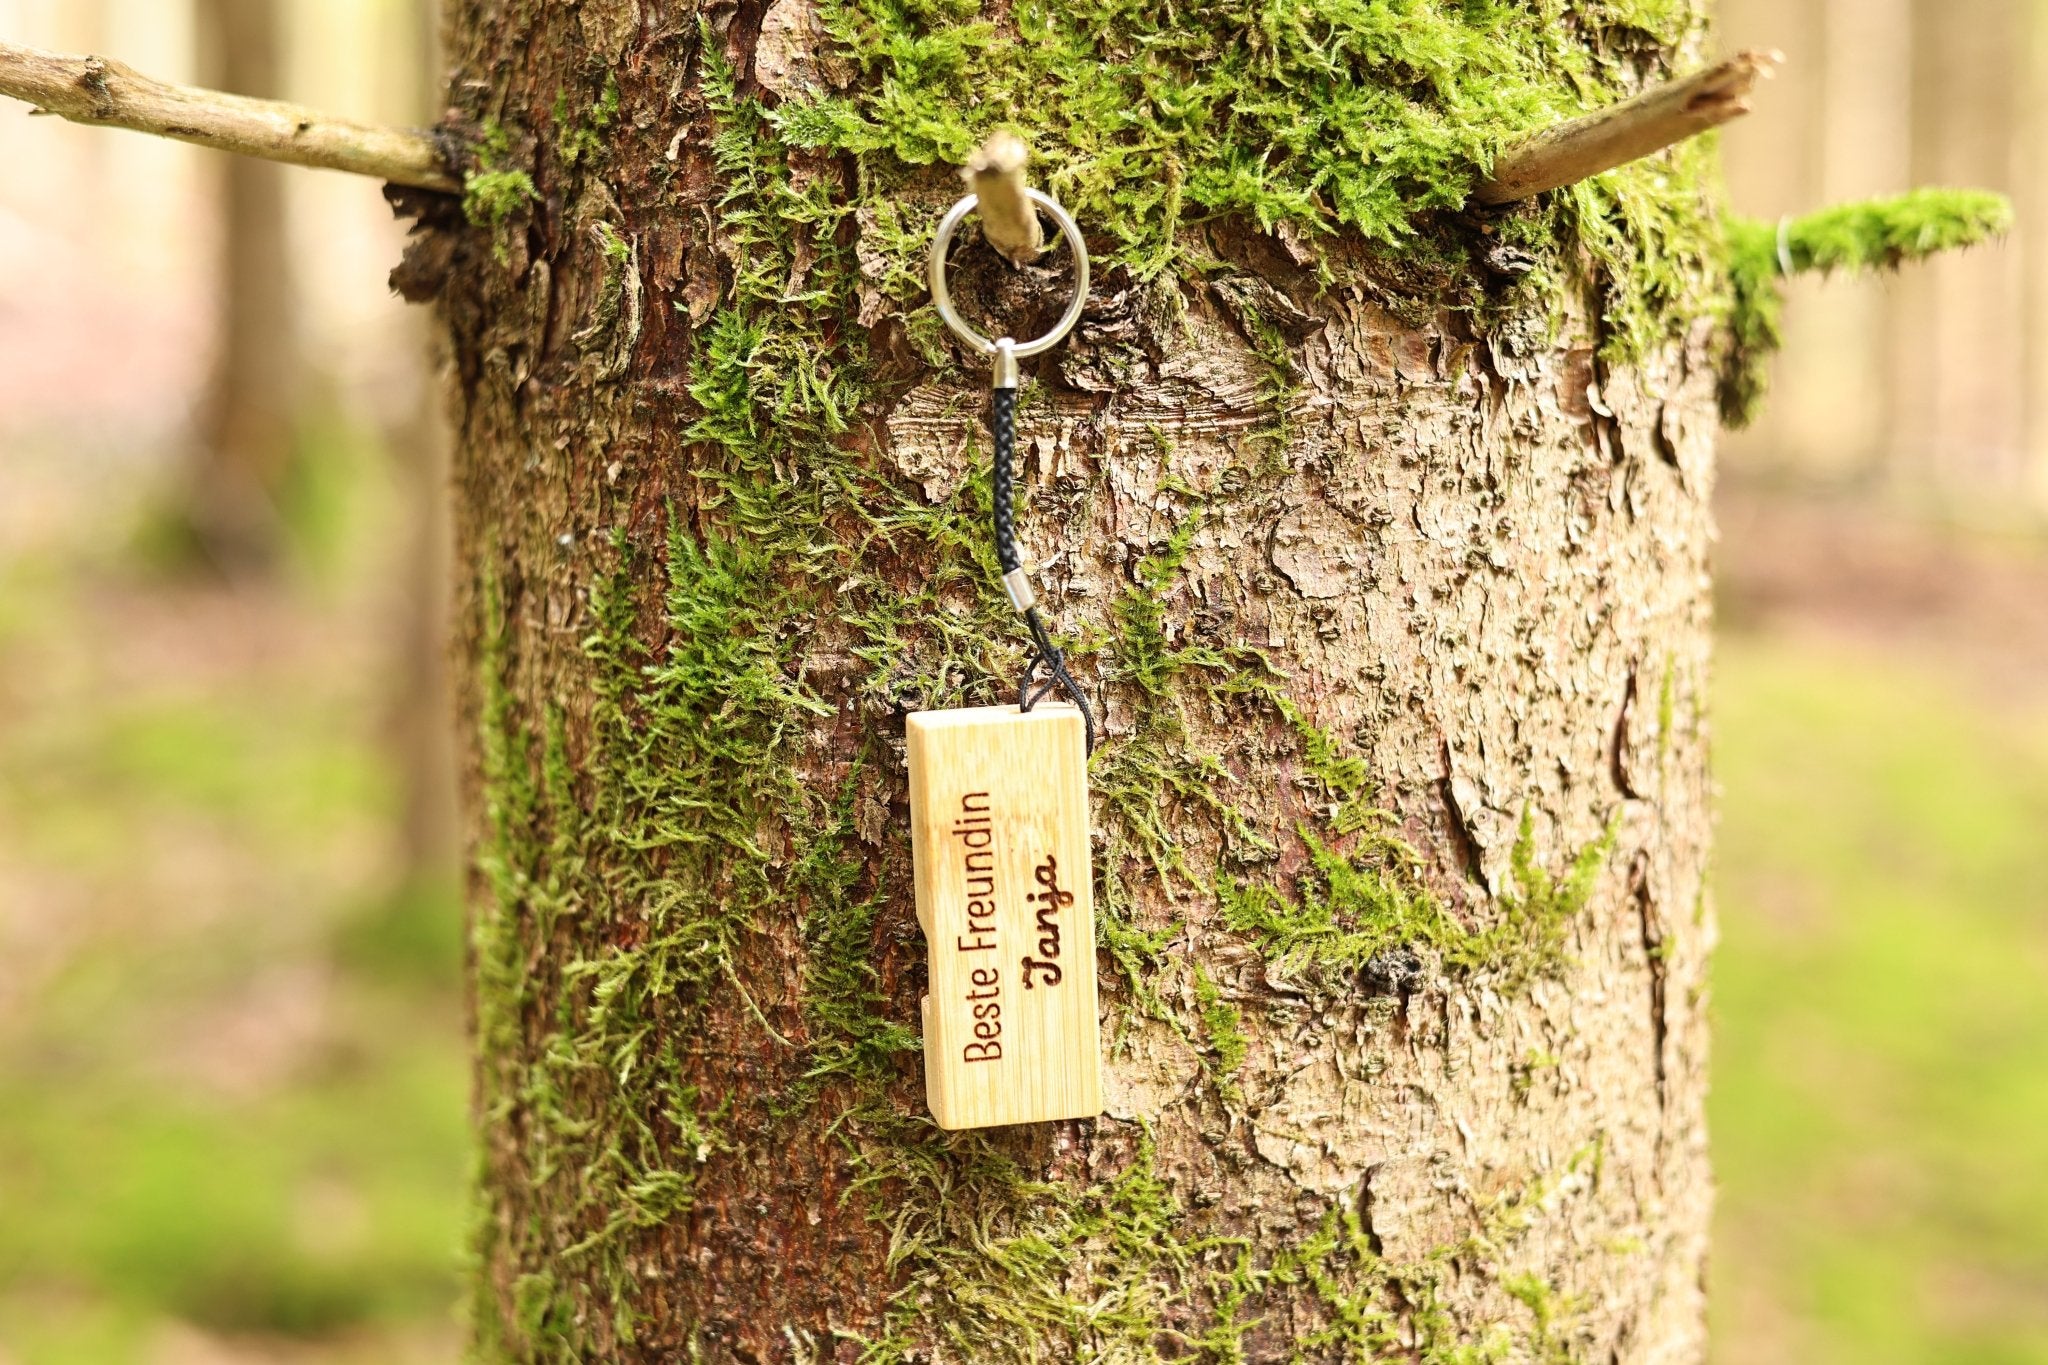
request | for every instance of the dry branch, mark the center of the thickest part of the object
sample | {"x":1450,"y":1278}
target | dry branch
{"x":1008,"y":222}
{"x":93,"y":90}
{"x":1650,"y":122}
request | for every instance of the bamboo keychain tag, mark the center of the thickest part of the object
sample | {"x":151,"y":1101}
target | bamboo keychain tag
{"x":999,"y":836}
{"x":999,"y":833}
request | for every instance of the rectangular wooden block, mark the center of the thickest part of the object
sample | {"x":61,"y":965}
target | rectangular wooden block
{"x":999,"y":837}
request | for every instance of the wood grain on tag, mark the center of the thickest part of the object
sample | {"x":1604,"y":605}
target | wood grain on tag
{"x":999,"y":835}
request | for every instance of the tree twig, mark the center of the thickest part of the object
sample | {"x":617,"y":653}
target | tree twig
{"x":1649,"y":122}
{"x":93,"y":90}
{"x":1008,"y":222}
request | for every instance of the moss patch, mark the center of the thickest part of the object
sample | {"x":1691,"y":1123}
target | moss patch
{"x":1338,"y":114}
{"x":1007,"y":1269}
{"x":1348,"y":910}
{"x":1355,"y":117}
{"x":581,"y":139}
{"x":1221,"y":1023}
{"x":493,"y":191}
{"x":490,"y":198}
{"x":1878,"y":234}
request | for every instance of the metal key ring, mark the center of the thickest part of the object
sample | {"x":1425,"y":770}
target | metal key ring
{"x":942,"y":297}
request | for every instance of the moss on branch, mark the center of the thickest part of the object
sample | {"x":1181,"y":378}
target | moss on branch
{"x":1877,"y":234}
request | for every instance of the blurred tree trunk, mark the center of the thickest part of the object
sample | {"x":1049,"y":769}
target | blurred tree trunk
{"x":1865,"y":141}
{"x":2029,"y":151}
{"x":424,"y":750}
{"x":1956,"y":408}
{"x":421,"y":699}
{"x":245,"y":430}
{"x":1399,"y":635}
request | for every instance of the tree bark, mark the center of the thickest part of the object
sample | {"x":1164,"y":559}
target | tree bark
{"x":1398,"y":630}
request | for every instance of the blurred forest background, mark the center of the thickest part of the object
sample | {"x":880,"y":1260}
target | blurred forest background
{"x":232,"y":1068}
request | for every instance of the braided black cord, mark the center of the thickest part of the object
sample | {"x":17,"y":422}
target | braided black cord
{"x":1030,"y":689}
{"x":1003,"y":417}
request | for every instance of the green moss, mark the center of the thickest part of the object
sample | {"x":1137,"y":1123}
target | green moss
{"x":1353,"y":117}
{"x":490,"y":198}
{"x":1024,"y":1269}
{"x":1531,"y":924}
{"x":1003,"y":1255}
{"x":1879,"y":234}
{"x":510,"y":847}
{"x":1222,"y":1025}
{"x":1549,"y":1343}
{"x":617,"y":252}
{"x":1533,"y":1064}
{"x":1157,"y":767}
{"x":536,"y":1310}
{"x":1338,"y":115}
{"x":1356,"y":116}
{"x":1140,"y":615}
{"x":657,"y":831}
{"x":1347,"y":910}
{"x":493,"y":193}
{"x":1342,"y":778}
{"x":1342,"y":914}
{"x":1667,"y":707}
{"x":1352,"y":1284}
{"x":854,"y":1039}
{"x":577,"y":141}
{"x":1262,"y":449}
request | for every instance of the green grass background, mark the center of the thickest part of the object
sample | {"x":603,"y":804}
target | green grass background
{"x":233,"y":1081}
{"x":1880,"y":1102}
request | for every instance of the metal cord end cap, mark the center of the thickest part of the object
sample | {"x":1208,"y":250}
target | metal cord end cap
{"x":1017,"y":584}
{"x":1006,"y":364}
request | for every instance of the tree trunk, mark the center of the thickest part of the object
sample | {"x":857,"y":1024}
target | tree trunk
{"x":422,"y":749}
{"x":1395,"y":613}
{"x":247,"y":425}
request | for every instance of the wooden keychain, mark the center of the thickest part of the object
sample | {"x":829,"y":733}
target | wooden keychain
{"x":999,"y":827}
